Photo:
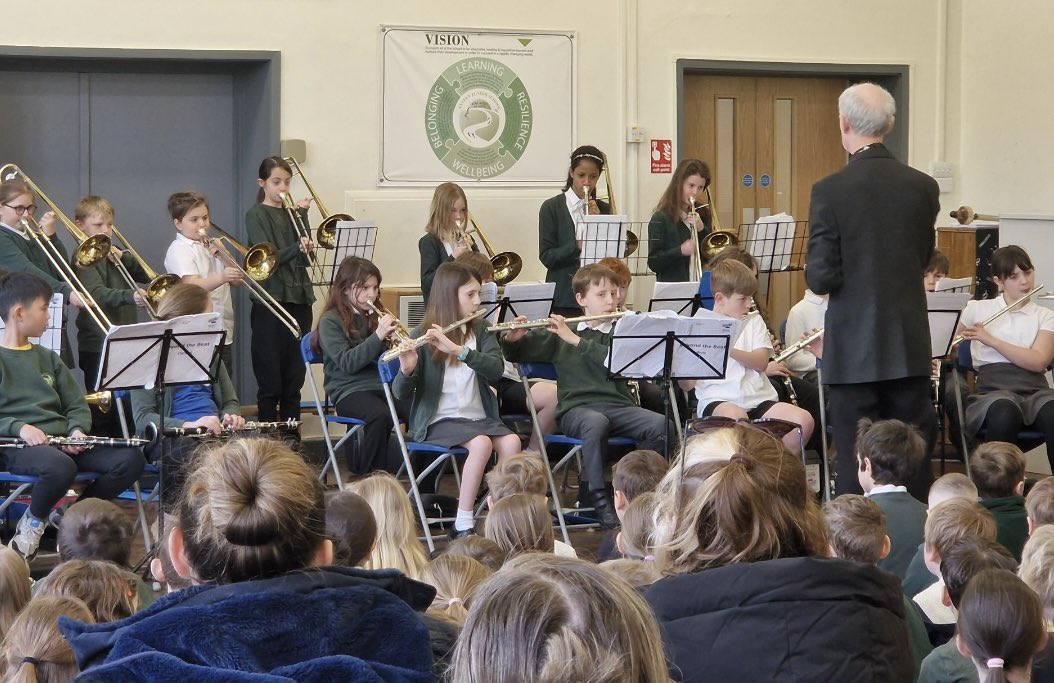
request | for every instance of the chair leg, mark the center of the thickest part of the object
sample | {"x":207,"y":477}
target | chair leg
{"x":962,"y":420}
{"x":554,"y":495}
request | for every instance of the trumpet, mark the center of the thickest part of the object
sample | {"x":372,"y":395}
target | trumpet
{"x":260,"y":262}
{"x":89,"y":251}
{"x":545,"y":322}
{"x":799,"y":345}
{"x":78,"y":442}
{"x":959,"y":338}
{"x":326,"y":235}
{"x":228,"y":430}
{"x":158,"y":285}
{"x":400,"y":334}
{"x":303,"y":232}
{"x":507,"y":265}
{"x":418,"y":342}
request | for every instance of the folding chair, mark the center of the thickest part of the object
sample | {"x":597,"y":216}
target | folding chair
{"x":387,"y":372}
{"x":530,"y":371}
{"x":136,"y":493}
{"x":25,"y":482}
{"x":353,"y":426}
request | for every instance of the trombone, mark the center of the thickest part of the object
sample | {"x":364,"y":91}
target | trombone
{"x":158,"y":285}
{"x":507,"y":264}
{"x":326,"y":235}
{"x":719,"y":239}
{"x":632,"y":241}
{"x":697,"y":254}
{"x":303,"y":232}
{"x":259,"y":264}
{"x":89,"y":251}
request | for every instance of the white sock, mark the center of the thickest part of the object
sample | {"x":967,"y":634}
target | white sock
{"x":464,"y":520}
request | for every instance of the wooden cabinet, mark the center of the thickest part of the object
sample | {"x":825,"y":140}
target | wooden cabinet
{"x":969,"y":251}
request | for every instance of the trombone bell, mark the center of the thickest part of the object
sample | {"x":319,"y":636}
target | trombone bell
{"x":91,"y":250}
{"x":718,"y":241}
{"x":261,"y":261}
{"x":103,"y":400}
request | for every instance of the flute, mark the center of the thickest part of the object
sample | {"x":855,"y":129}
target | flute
{"x":78,"y":441}
{"x":959,"y":338}
{"x":418,"y":342}
{"x":535,"y":324}
{"x":229,"y":430}
{"x":798,"y":346}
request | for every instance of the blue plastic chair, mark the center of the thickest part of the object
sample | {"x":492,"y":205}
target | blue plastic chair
{"x":353,"y":425}
{"x":387,"y":372}
{"x":706,"y":291}
{"x":25,"y":482}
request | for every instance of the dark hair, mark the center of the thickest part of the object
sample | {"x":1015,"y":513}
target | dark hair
{"x":1005,"y":259}
{"x":856,"y":528}
{"x":95,"y":529}
{"x":352,"y":272}
{"x":939,"y":263}
{"x":638,"y":472}
{"x":180,"y":203}
{"x":443,"y":303}
{"x":997,"y":467}
{"x":588,"y":276}
{"x":351,"y":526}
{"x":21,"y":289}
{"x":266,"y":166}
{"x":480,"y":548}
{"x":968,"y":558}
{"x":896,"y":450}
{"x":670,"y":203}
{"x":479,"y":263}
{"x":585,"y":153}
{"x":1000,"y":617}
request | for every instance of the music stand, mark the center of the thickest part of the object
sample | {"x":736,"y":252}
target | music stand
{"x":663,"y":348}
{"x":944,"y":310}
{"x":531,"y":299}
{"x":601,"y":237}
{"x":353,"y":238}
{"x":681,"y":298}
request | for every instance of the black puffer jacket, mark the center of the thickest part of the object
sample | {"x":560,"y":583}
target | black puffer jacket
{"x":797,"y":619}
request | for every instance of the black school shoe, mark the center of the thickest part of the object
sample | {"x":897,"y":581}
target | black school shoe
{"x":455,"y":534}
{"x":603,"y":510}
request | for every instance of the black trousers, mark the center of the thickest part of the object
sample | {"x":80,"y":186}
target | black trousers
{"x":277,"y":363}
{"x":118,"y":467}
{"x":906,"y":399}
{"x":371,"y":407}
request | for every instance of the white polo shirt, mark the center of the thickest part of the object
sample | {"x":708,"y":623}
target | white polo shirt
{"x":190,"y":257}
{"x":745,"y":387}
{"x":803,"y":317}
{"x":1020,"y":327}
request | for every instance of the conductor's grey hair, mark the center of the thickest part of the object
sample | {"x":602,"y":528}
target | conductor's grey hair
{"x":865,"y":117}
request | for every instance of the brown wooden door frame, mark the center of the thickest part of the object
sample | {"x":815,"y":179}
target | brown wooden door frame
{"x":892,"y":77}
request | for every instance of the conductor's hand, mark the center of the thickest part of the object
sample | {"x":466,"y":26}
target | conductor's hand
{"x":440,"y":341}
{"x":47,"y":223}
{"x":209,"y":422}
{"x":385,"y":326}
{"x":816,"y":347}
{"x":233,"y":275}
{"x":76,"y":300}
{"x":775,"y":369}
{"x":558,"y":327}
{"x":517,"y":335}
{"x":408,"y":360}
{"x":74,"y":450}
{"x":304,"y":203}
{"x":233,"y":421}
{"x":688,"y":247}
{"x":139,"y":297}
{"x":32,"y":436}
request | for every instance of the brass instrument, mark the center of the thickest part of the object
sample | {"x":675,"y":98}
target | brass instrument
{"x":536,"y":324}
{"x":697,"y":260}
{"x":78,"y":441}
{"x":158,"y":285}
{"x":303,"y":232}
{"x":418,"y":342}
{"x":1005,"y":309}
{"x":632,"y":241}
{"x":326,"y":235}
{"x":89,"y":251}
{"x":260,"y":262}
{"x":507,"y":265}
{"x":103,"y":400}
{"x":400,"y":334}
{"x":966,"y":215}
{"x":719,"y":239}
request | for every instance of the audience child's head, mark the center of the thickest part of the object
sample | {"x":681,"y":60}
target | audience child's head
{"x":1000,"y":626}
{"x":34,"y":650}
{"x":95,"y":529}
{"x":936,"y":270}
{"x":951,"y":485}
{"x":636,"y":540}
{"x":1037,"y":567}
{"x":888,"y":452}
{"x":1039,"y":504}
{"x":949,"y":524}
{"x":107,"y":590}
{"x":479,"y":548}
{"x":549,"y":618}
{"x":352,"y":527}
{"x":456,"y":579}
{"x":520,"y":523}
{"x":397,"y":546}
{"x":998,"y":469}
{"x":479,"y":263}
{"x":24,"y":302}
{"x":634,"y":572}
{"x":636,"y":473}
{"x":761,"y":489}
{"x":596,"y":289}
{"x":856,"y":529}
{"x":190,"y":213}
{"x":15,"y":587}
{"x":623,"y":276}
{"x":161,"y":565}
{"x":733,"y":286}
{"x":250,"y":509}
{"x":522,"y":473}
{"x":967,"y":559}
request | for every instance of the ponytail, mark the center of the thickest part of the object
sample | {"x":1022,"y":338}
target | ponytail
{"x":1000,"y":623}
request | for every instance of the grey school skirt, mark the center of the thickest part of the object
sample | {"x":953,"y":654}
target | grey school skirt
{"x":1006,"y":381}
{"x":454,"y":431}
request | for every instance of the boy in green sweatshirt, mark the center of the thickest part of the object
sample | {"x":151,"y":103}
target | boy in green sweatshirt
{"x":39,"y":398}
{"x":589,"y":407}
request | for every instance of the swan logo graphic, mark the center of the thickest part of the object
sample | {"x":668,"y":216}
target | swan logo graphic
{"x":478,"y":118}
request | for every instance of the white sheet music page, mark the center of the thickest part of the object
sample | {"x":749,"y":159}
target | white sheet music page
{"x":52,"y":338}
{"x":601,"y":237}
{"x":133,"y":352}
{"x":532,"y":299}
{"x":641,"y":334}
{"x":676,"y":297}
{"x":944,"y":310}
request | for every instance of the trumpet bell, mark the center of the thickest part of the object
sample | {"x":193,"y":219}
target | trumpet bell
{"x":717,"y":242}
{"x":159,"y":286}
{"x":326,"y":235}
{"x":92,"y":250}
{"x":102,"y":400}
{"x":507,"y":266}
{"x":261,"y":261}
{"x":632,"y":242}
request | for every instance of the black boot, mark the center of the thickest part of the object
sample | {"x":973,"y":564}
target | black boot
{"x":603,"y":510}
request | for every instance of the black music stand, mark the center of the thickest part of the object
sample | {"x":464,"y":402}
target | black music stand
{"x":680,"y":297}
{"x":663,"y":348}
{"x":353,"y":238}
{"x":534,"y":299}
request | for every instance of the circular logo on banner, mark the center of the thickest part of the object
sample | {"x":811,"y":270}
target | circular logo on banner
{"x":478,"y":118}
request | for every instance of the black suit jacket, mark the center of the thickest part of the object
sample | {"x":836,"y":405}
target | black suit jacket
{"x":871,"y":234}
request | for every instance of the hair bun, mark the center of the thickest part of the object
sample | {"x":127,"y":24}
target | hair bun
{"x":242,"y":530}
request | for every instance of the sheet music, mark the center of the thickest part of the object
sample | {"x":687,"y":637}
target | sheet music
{"x":676,"y":297}
{"x":52,"y":337}
{"x":532,"y":299}
{"x":601,"y":237}
{"x":944,"y":310}
{"x":639,"y":334}
{"x":771,"y":240}
{"x":132,"y":353}
{"x":354,"y":238}
{"x":954,"y":284}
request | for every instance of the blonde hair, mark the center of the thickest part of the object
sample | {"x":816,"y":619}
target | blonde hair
{"x":522,"y":473}
{"x":251,"y":509}
{"x":456,"y":579}
{"x":956,"y":519}
{"x":638,"y":527}
{"x":1037,"y":567}
{"x":93,"y":204}
{"x":397,"y":546}
{"x":34,"y":649}
{"x":951,"y":485}
{"x":732,"y":277}
{"x":637,"y":573}
{"x":520,"y":523}
{"x":109,"y":593}
{"x":997,"y":467}
{"x":1039,"y":503}
{"x":439,"y":223}
{"x":544,"y":618}
{"x":182,"y":299}
{"x":14,"y":587}
{"x":856,"y":528}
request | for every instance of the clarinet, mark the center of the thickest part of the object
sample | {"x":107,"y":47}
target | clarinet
{"x":787,"y":383}
{"x":78,"y":441}
{"x":198,"y":432}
